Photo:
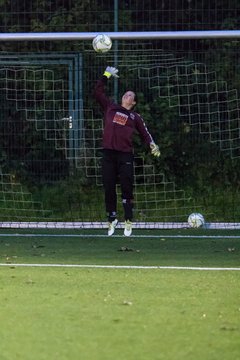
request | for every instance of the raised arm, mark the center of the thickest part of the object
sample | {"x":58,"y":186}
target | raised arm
{"x":99,"y":90}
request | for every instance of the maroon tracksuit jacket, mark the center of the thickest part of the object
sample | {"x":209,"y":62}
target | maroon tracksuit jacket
{"x":119,"y":127}
{"x":119,"y":123}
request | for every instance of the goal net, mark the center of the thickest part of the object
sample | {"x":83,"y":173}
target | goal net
{"x":51,"y":132}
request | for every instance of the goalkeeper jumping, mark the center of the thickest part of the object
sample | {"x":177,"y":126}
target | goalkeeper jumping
{"x":120,"y":123}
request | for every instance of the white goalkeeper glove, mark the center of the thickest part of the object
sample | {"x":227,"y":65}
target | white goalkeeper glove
{"x":111,"y":71}
{"x":155,"y":150}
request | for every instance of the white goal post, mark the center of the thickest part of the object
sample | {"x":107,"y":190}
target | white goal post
{"x":124,"y":36}
{"x":129,"y":35}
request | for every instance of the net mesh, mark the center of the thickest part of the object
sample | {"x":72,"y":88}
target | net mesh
{"x":51,"y":127}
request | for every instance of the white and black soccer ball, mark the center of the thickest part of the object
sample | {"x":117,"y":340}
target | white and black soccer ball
{"x":196,"y":220}
{"x":102,"y":43}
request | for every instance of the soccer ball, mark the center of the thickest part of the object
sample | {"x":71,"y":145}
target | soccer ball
{"x":102,"y":43}
{"x":196,"y":220}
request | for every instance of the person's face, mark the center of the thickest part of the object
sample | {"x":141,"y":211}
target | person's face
{"x":128,"y":100}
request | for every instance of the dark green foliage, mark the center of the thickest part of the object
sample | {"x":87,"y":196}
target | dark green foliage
{"x":189,"y":158}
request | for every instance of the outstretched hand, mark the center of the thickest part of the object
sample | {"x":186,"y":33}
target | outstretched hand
{"x":155,"y":150}
{"x":111,"y":71}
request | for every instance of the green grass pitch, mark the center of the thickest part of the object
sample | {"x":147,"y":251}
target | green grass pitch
{"x":117,"y":312}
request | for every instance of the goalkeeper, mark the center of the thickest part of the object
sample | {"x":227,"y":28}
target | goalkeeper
{"x":120,"y":123}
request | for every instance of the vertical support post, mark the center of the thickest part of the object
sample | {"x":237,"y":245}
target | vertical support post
{"x":115,"y":47}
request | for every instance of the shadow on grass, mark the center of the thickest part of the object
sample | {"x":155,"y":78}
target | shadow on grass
{"x":146,"y":248}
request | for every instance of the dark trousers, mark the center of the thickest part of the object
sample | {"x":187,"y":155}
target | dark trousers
{"x":117,"y":167}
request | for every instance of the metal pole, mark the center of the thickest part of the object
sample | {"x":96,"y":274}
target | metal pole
{"x":115,"y":47}
{"x":131,"y":35}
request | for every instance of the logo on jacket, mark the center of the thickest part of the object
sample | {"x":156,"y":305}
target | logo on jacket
{"x":120,"y":118}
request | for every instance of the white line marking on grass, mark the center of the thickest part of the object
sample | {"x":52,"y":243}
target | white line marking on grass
{"x":122,"y":267}
{"x":122,"y":236}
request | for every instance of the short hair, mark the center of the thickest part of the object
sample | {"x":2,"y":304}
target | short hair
{"x":136,"y":98}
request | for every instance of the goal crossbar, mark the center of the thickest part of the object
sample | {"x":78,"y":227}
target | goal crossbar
{"x":129,"y":35}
